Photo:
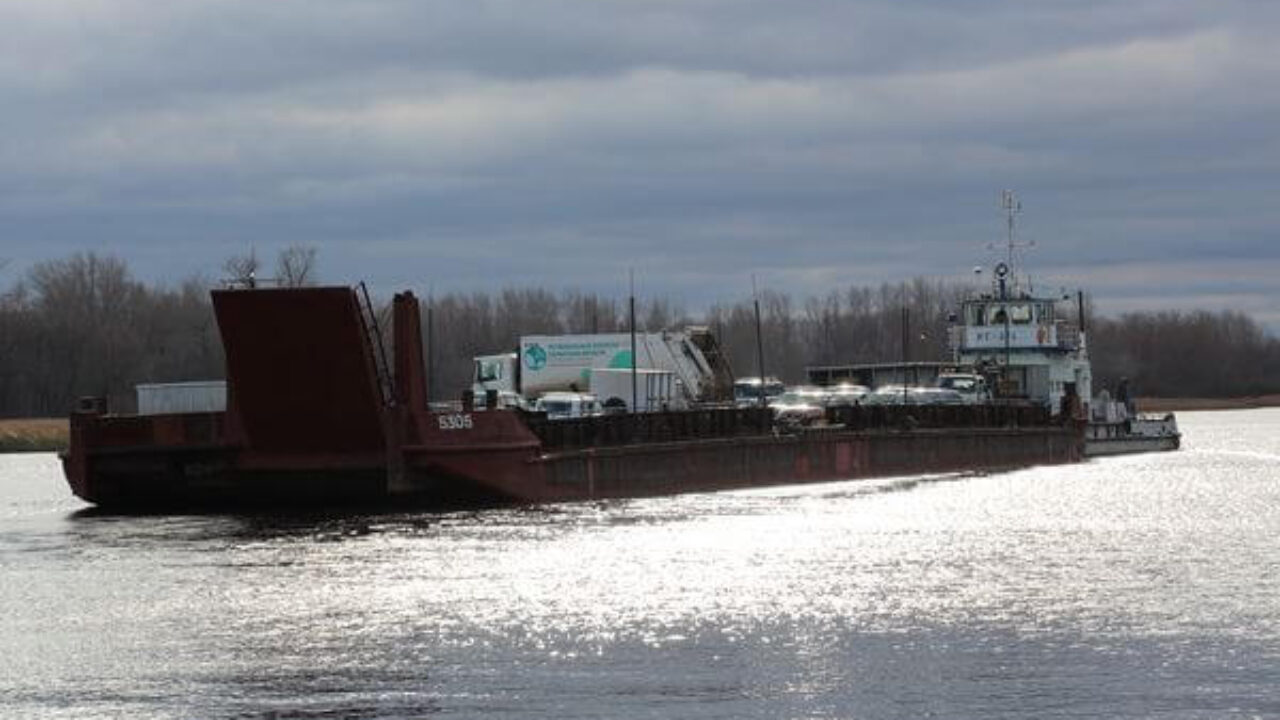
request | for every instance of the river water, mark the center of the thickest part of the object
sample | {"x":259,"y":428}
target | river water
{"x":1143,"y":586}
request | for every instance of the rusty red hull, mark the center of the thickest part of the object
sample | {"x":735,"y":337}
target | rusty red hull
{"x":494,"y":459}
{"x":313,"y":419}
{"x":706,"y":465}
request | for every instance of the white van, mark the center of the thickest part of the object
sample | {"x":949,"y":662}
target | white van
{"x":565,"y":405}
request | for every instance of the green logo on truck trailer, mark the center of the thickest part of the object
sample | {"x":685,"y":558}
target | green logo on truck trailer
{"x":535,"y":358}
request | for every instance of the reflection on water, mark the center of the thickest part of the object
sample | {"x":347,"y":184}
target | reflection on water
{"x":1130,"y":586}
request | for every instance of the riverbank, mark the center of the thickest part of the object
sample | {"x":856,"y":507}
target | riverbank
{"x":33,"y":434}
{"x":1161,"y":405}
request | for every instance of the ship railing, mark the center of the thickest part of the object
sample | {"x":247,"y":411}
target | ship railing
{"x":1069,"y":336}
{"x":712,"y":423}
{"x":627,"y":429}
{"x":141,"y":431}
{"x":1000,"y":414}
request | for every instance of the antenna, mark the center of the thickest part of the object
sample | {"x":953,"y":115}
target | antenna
{"x":631,"y":304}
{"x":1012,"y":207}
{"x":755,"y":300}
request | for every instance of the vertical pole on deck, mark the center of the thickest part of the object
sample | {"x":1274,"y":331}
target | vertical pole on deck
{"x":634,"y":390}
{"x":1007,"y":373}
{"x":755,"y":297}
{"x":431,"y":348}
{"x":906,"y":324}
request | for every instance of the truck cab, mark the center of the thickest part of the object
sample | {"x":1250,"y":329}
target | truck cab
{"x":972,"y":387}
{"x":495,"y":372}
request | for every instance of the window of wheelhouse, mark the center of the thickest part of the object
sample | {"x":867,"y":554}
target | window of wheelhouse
{"x":1044,"y":313}
{"x":975,"y":314}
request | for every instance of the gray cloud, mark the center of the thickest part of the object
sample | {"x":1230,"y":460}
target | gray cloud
{"x":471,"y":145}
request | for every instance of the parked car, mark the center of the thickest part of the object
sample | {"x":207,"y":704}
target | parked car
{"x":912,"y":395}
{"x":795,"y":408}
{"x":811,"y":394}
{"x":565,"y":405}
{"x":936,"y":396}
{"x":971,"y":386}
{"x":747,"y":391}
{"x":846,"y":395}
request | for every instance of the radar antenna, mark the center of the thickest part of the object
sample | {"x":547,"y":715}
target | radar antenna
{"x":1012,"y":207}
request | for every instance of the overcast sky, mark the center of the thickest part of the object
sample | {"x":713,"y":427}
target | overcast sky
{"x":475,"y":144}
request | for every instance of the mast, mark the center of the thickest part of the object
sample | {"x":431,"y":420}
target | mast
{"x":755,"y":299}
{"x":1012,"y":207}
{"x":632,"y":305}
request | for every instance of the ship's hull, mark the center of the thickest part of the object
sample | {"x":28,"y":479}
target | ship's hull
{"x":801,"y":458}
{"x":507,"y":465}
{"x":1129,"y":446}
{"x":200,"y":479}
{"x":1135,"y":435}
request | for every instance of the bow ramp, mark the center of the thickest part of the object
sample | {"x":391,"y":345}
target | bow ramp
{"x":302,"y":371}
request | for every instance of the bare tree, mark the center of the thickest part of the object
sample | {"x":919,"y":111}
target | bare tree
{"x":296,"y":266}
{"x":242,"y":269}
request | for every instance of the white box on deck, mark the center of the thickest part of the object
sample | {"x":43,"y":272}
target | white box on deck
{"x":655,"y":389}
{"x":184,"y":397}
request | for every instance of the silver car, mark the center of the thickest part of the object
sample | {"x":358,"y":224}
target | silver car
{"x":898,"y":395}
{"x":795,"y":408}
{"x":846,"y":395}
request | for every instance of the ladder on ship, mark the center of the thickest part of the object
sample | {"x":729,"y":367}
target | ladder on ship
{"x":377,"y":348}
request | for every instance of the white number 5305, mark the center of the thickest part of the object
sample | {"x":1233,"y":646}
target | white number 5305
{"x":457,"y":421}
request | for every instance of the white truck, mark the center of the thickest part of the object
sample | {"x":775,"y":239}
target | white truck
{"x":972,"y":387}
{"x":674,"y":369}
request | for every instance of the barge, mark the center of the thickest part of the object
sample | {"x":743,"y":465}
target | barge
{"x":317,"y":413}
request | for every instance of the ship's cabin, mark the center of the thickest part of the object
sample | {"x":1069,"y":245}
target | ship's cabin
{"x":989,"y":311}
{"x":1030,"y":351}
{"x":1013,"y":322}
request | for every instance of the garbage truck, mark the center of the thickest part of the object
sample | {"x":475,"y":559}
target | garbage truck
{"x":681,"y":368}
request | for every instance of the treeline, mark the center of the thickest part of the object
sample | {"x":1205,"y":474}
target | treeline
{"x":84,"y":326}
{"x":1186,"y":354}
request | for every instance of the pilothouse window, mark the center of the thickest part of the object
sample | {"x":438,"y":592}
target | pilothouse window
{"x":979,"y":315}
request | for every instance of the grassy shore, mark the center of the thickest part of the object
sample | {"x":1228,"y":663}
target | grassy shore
{"x":33,"y":434}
